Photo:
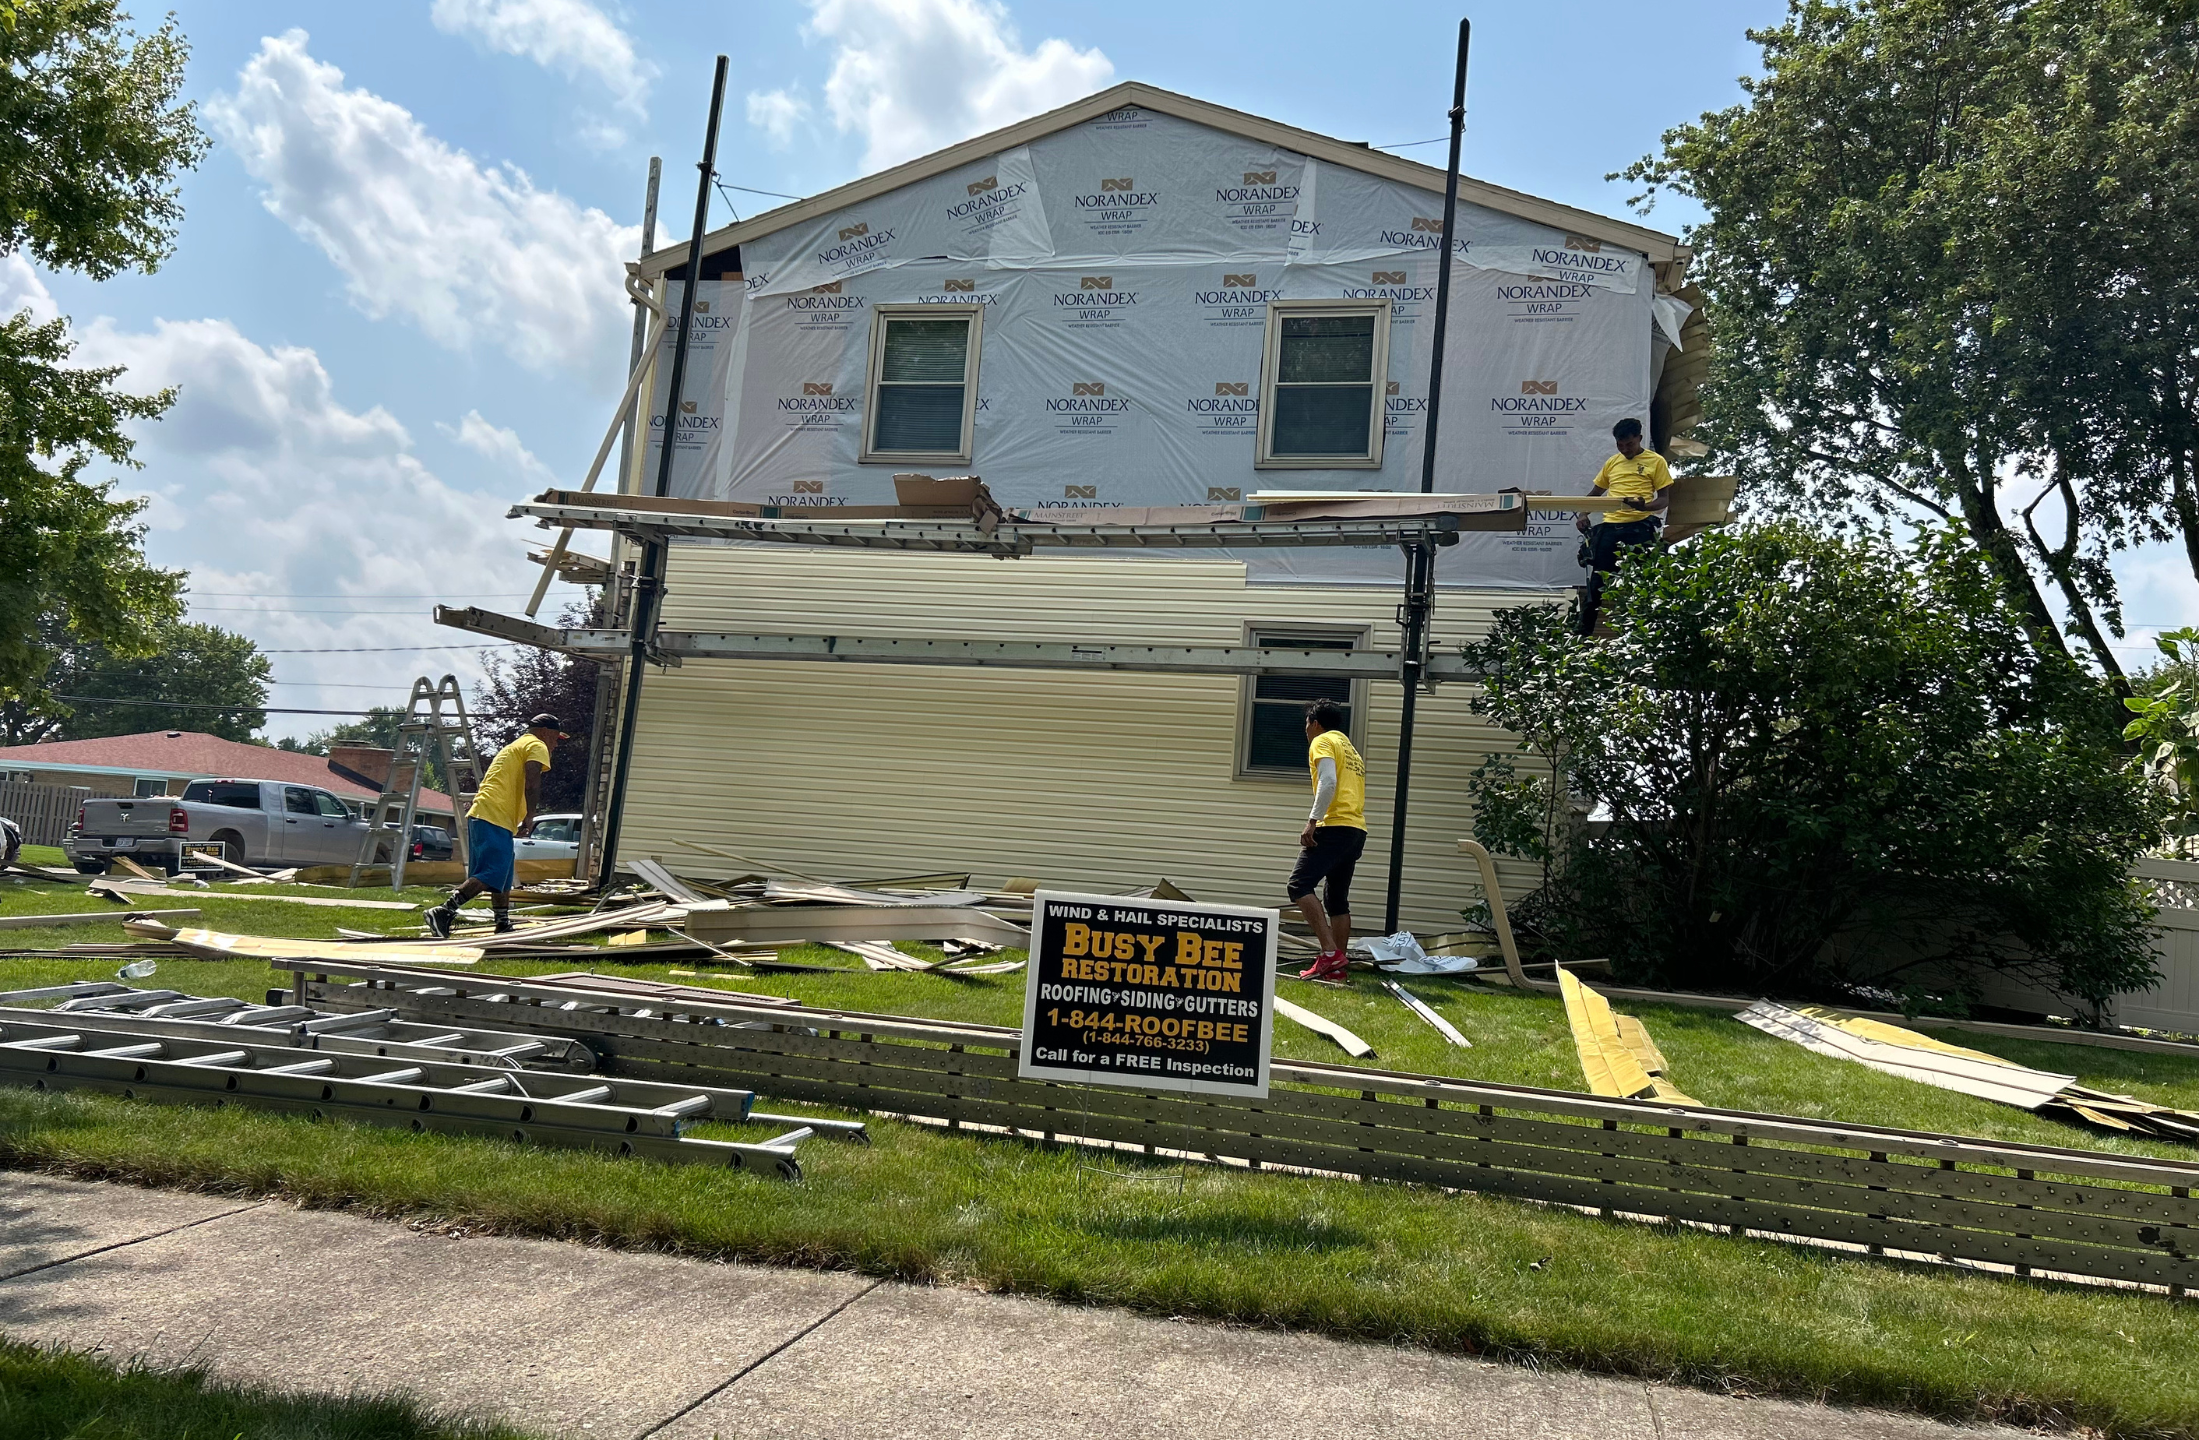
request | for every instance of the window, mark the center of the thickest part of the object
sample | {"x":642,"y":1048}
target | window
{"x":560,"y":830}
{"x":149,"y":785}
{"x":298,"y":800}
{"x":1321,"y":385}
{"x":923,"y":383}
{"x":1271,"y":729}
{"x":331,"y":808}
{"x":223,"y":792}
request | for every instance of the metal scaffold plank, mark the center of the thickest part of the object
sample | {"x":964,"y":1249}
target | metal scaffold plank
{"x":1023,"y":539}
{"x":608,"y":645}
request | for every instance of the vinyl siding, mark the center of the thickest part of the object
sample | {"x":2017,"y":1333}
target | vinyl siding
{"x":1082,"y":781}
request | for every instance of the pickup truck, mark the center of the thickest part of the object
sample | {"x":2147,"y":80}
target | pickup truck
{"x":256,"y":822}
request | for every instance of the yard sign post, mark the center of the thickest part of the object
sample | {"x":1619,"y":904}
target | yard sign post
{"x":1156,"y":994}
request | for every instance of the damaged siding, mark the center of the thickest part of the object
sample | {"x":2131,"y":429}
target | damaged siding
{"x":1082,"y":781}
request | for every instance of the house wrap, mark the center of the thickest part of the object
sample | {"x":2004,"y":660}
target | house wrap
{"x":1136,"y":300}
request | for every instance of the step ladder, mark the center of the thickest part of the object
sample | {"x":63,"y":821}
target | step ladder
{"x":435,"y":725}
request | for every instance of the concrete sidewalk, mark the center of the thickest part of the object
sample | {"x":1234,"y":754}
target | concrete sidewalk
{"x":571,"y":1341}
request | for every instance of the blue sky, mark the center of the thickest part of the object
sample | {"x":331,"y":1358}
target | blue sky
{"x":395,"y":308}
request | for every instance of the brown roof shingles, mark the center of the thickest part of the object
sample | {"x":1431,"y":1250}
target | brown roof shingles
{"x":191,"y":752}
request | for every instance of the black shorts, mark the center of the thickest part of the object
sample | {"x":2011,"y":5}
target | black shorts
{"x":1333,"y":856}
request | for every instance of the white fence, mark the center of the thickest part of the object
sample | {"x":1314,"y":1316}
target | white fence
{"x":47,"y":811}
{"x":2174,"y":1003}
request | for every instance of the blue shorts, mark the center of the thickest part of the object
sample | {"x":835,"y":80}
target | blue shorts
{"x":489,"y":854}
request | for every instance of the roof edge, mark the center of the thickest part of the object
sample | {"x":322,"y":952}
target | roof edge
{"x":1664,"y":251}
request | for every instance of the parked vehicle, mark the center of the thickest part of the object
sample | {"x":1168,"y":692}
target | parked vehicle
{"x":554,"y":837}
{"x":432,"y":842}
{"x":11,"y":841}
{"x":256,"y":822}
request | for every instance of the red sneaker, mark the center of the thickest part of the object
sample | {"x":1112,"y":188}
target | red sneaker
{"x":1328,"y":966}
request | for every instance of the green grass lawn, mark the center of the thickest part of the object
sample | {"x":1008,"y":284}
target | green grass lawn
{"x":48,"y":1394}
{"x":1381,"y":1262}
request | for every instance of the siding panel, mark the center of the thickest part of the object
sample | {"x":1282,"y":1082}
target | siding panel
{"x":1098,"y":781}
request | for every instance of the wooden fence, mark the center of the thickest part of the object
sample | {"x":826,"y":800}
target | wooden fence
{"x":44,"y":811}
{"x":2037,"y":1209}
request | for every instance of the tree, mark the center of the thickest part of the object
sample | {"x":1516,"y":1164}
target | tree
{"x":1951,"y":251}
{"x":91,"y":142}
{"x":97,"y":692}
{"x":534,"y":682}
{"x":1825,"y":762}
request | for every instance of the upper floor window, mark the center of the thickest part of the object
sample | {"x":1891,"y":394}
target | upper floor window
{"x":922,"y":400}
{"x":1321,"y":386}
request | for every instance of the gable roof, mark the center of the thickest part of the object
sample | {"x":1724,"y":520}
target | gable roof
{"x":198,"y":755}
{"x":1665,"y":252}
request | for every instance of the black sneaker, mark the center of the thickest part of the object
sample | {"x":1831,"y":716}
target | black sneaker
{"x":438,"y":920}
{"x":504,"y":925}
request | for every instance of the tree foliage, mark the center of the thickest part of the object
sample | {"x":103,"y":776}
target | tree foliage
{"x":533,"y":682}
{"x":1825,"y":761}
{"x":1952,"y":259}
{"x":92,"y":139}
{"x":110,"y":694}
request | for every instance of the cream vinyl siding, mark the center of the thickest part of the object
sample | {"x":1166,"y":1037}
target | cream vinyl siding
{"x":1098,"y":782}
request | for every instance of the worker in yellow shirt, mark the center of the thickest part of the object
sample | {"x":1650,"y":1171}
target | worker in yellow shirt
{"x":1334,"y":837}
{"x":503,"y":808}
{"x":1637,"y":479}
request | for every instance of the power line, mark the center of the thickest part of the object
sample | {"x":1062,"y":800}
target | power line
{"x":1410,"y":144}
{"x":775,"y":194}
{"x":285,"y":610}
{"x":339,"y":595}
{"x":394,"y":649}
{"x":233,"y":709}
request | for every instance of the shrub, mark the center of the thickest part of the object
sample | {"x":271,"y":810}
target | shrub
{"x":1826,"y":760}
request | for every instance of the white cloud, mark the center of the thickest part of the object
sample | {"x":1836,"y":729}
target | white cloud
{"x":471,"y":254}
{"x":281,"y":499}
{"x":571,"y":37}
{"x":776,"y":113}
{"x":500,"y":445}
{"x":21,"y":289}
{"x":911,"y":76}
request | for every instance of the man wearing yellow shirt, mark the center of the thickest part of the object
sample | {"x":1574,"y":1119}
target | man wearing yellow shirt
{"x":1334,"y":837}
{"x":1637,"y":479}
{"x":502,"y":808}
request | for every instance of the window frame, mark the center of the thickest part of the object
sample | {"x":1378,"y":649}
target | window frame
{"x":880,"y":317}
{"x":1278,"y":634}
{"x":1264,"y":456}
{"x":149,"y":787}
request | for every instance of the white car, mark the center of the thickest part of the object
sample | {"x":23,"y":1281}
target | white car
{"x":554,"y":837}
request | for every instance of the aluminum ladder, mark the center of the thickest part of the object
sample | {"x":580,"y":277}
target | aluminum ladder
{"x":435,"y":724}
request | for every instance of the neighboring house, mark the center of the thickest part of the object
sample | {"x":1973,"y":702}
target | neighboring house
{"x":162,"y":762}
{"x":1139,"y":299}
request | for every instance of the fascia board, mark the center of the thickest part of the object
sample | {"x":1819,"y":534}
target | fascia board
{"x":1662,"y":249}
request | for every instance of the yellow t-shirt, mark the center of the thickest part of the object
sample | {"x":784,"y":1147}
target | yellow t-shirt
{"x":1349,"y":807}
{"x":502,"y":798}
{"x":1637,"y":477}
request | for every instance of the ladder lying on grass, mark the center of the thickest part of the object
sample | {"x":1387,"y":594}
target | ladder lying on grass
{"x":389,"y":821}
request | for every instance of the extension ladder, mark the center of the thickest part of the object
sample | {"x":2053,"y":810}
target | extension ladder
{"x":435,"y":717}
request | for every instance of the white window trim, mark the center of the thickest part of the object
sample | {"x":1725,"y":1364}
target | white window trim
{"x":879,"y":315}
{"x":1359,"y":637}
{"x":1264,"y":457}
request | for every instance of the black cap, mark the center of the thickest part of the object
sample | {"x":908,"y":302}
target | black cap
{"x":548,"y":722}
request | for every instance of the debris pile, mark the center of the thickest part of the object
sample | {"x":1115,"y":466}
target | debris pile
{"x":1892,"y":1050}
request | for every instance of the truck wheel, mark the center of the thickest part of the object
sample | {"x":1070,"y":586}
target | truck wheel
{"x":232,"y":846}
{"x":91,"y":867}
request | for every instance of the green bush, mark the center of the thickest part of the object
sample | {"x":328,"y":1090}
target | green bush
{"x":1822,"y":761}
